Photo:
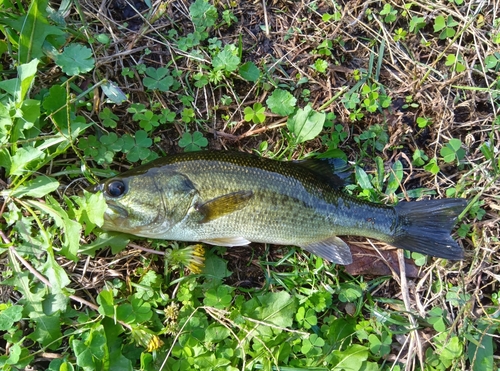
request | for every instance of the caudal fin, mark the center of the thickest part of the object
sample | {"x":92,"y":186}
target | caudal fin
{"x":425,"y":227}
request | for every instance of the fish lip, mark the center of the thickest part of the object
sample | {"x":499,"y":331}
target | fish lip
{"x":122,"y":212}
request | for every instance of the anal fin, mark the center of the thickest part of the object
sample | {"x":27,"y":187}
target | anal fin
{"x":332,"y":249}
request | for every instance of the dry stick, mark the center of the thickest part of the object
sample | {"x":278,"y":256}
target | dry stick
{"x":38,"y":275}
{"x":265,"y":17}
{"x":406,"y":299}
{"x":146,"y":249}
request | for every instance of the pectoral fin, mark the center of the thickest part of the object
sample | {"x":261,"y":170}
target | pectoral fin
{"x":223,"y":205}
{"x":332,"y":249}
{"x":228,"y":241}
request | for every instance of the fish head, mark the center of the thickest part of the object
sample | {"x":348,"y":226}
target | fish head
{"x":146,"y":204}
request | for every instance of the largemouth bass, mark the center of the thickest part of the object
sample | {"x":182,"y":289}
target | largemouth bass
{"x":232,"y":199}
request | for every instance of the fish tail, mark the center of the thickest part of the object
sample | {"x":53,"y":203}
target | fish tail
{"x":425,"y":227}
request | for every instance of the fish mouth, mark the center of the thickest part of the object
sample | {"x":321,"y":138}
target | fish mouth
{"x":115,"y":211}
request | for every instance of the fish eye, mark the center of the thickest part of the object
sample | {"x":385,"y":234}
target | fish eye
{"x":116,"y":188}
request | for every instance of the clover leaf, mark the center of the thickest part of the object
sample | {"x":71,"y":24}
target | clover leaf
{"x":158,"y":78}
{"x":452,"y":151}
{"x":192,"y":143}
{"x":140,"y":147}
{"x":256,"y":114}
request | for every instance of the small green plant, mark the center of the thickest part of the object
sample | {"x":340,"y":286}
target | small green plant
{"x":400,"y":35}
{"x":446,"y":26}
{"x":409,"y":102}
{"x":437,"y":318}
{"x":187,"y":115}
{"x":203,"y":14}
{"x":380,"y":345}
{"x":336,"y":16}
{"x":492,"y":61}
{"x":324,"y":48}
{"x":250,"y":72}
{"x":255,"y":114}
{"x":148,"y":119}
{"x":229,"y":17}
{"x":432,"y":166}
{"x":390,"y":14}
{"x":337,"y":136}
{"x":423,"y":122}
{"x":373,"y":99}
{"x":375,"y":137}
{"x":450,"y":348}
{"x":419,"y":158}
{"x":127,"y":72}
{"x":455,"y":62}
{"x":351,"y":103}
{"x":320,"y":65}
{"x":416,"y":24}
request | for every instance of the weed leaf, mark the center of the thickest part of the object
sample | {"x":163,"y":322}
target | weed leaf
{"x":351,"y":359}
{"x":9,"y":316}
{"x":480,"y":348}
{"x":22,"y":159}
{"x":203,"y":14}
{"x":281,"y":102}
{"x":395,"y":178}
{"x":306,"y":124}
{"x":33,"y":29}
{"x":75,"y":59}
{"x":56,"y":105}
{"x":47,"y":329}
{"x":227,"y":59}
{"x":250,"y":72}
{"x":194,"y":142}
{"x":113,"y":92}
{"x":38,"y":187}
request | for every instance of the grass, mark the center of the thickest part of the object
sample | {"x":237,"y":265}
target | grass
{"x":408,"y":93}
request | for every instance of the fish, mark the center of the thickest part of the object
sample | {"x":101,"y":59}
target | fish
{"x":229,"y":198}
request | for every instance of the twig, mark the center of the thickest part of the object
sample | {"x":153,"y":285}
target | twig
{"x":415,"y":339}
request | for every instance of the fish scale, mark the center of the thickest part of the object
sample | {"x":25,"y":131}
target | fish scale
{"x":231,"y":199}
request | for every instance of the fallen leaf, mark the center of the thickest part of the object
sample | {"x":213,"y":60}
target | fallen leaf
{"x":370,"y":262}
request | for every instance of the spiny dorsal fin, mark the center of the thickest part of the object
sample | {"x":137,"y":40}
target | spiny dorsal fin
{"x":223,"y":205}
{"x":334,"y":171}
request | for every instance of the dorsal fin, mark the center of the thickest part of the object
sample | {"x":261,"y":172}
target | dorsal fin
{"x":334,"y":171}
